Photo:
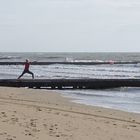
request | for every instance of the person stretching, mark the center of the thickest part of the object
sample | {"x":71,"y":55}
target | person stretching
{"x":26,"y":69}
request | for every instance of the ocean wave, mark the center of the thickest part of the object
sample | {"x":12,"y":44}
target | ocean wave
{"x":75,"y":71}
{"x":98,"y":61}
{"x":51,"y":57}
{"x":89,"y":61}
{"x":9,"y":57}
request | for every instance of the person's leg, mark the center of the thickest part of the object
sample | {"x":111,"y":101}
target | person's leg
{"x":31,"y":74}
{"x":21,"y":74}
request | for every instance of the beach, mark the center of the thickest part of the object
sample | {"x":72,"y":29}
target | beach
{"x":121,"y":98}
{"x":43,"y":114}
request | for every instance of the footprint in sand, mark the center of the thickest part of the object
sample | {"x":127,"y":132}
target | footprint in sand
{"x":57,"y":135}
{"x":53,"y":130}
{"x":57,"y":113}
{"x":28,"y":133}
{"x":33,"y":122}
{"x":8,"y":136}
{"x":15,"y":111}
{"x":14,"y":119}
{"x":115,"y":124}
{"x":38,"y":109}
{"x":4,"y":114}
{"x":132,"y":125}
{"x":35,"y":130}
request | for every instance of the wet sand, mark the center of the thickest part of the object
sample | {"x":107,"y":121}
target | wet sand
{"x":34,"y":114}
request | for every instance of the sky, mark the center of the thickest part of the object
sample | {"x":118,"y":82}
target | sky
{"x":69,"y":25}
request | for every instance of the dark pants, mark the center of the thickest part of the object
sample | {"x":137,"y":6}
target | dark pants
{"x":26,"y":71}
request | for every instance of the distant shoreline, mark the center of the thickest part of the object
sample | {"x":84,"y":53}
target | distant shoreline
{"x":72,"y":63}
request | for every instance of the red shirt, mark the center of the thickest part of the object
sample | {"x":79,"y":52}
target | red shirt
{"x":27,"y":66}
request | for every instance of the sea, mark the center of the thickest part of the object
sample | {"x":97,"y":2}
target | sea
{"x":123,"y":98}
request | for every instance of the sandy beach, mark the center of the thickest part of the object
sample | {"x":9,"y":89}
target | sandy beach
{"x":33,"y":114}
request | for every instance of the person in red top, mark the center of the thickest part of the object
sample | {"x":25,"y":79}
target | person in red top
{"x":26,"y":69}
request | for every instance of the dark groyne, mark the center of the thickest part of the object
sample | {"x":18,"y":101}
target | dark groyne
{"x":71,"y":83}
{"x":70,"y":63}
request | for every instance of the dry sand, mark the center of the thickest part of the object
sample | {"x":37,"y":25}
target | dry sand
{"x":32,"y":114}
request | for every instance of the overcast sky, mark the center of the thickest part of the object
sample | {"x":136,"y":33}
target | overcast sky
{"x":70,"y":25}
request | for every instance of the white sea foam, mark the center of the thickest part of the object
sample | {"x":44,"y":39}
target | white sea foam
{"x":126,"y":99}
{"x":75,"y":71}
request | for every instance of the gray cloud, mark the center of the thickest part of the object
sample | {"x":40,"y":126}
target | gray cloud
{"x":69,"y":25}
